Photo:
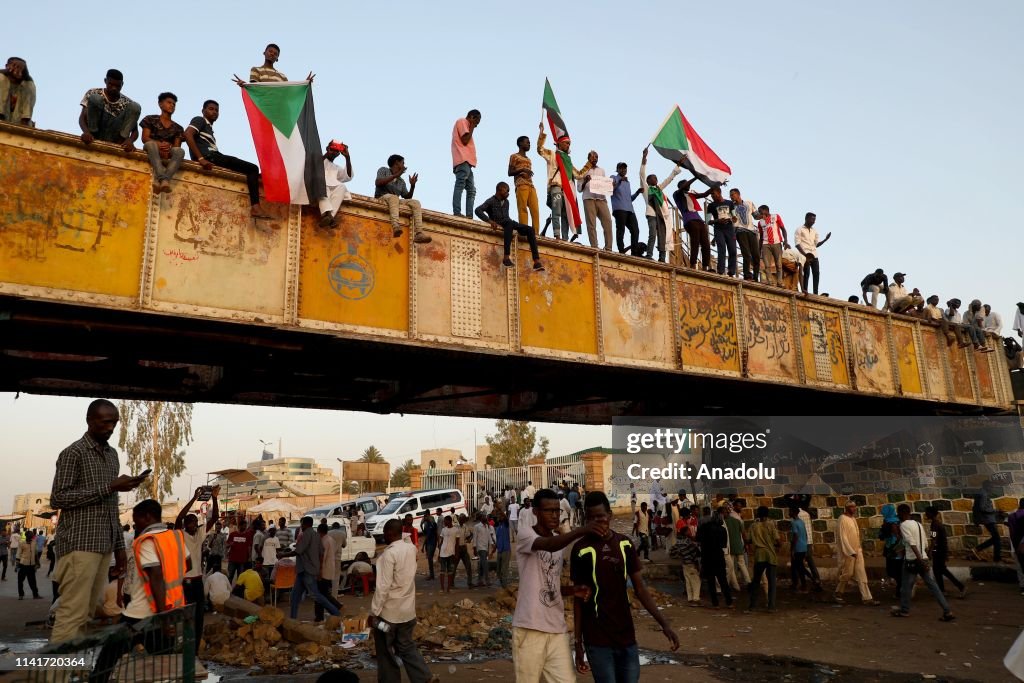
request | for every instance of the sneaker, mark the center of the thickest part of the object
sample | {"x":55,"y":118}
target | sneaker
{"x":421,"y":238}
{"x":538,"y":266}
{"x":838,"y":599}
{"x":397,"y":232}
{"x":325,"y":220}
{"x":165,"y":186}
{"x":507,"y":262}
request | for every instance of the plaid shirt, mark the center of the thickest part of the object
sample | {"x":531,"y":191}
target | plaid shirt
{"x":81,"y":491}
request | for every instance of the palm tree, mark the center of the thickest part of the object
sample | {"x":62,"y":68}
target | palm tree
{"x":401,"y":477}
{"x":371,"y":454}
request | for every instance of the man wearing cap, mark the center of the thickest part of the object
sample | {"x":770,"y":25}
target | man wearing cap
{"x":336,"y":177}
{"x":871,"y":285}
{"x":109,"y":116}
{"x":897,"y":290}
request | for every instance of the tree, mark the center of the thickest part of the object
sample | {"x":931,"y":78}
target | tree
{"x":402,"y":477}
{"x":152,"y":435}
{"x":372,"y":455}
{"x":514,"y":443}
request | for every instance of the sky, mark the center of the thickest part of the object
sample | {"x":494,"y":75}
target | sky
{"x":896,"y":123}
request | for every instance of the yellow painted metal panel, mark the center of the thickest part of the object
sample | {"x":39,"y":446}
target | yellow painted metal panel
{"x":636,"y":316}
{"x":771,"y":350}
{"x":934,"y":353}
{"x":961,"y":371}
{"x":823,"y":345}
{"x":556,"y":306}
{"x":210,"y":253}
{"x":356,"y":274}
{"x":71,"y":224}
{"x":707,"y":321}
{"x":871,"y":354}
{"x":434,"y":307}
{"x":906,"y":358}
{"x":983,"y":368}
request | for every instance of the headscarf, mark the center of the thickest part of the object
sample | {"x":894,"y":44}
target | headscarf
{"x":889,"y":513}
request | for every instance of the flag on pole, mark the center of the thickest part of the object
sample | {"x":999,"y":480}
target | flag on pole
{"x":283,"y":126}
{"x":565,"y":167}
{"x":677,"y":141}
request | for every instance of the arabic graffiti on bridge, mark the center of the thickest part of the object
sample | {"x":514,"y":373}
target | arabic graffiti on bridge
{"x":708,"y":326}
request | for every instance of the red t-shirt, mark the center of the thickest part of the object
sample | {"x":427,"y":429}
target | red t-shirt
{"x":240,"y":546}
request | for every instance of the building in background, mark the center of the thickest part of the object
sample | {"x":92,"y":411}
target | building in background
{"x":277,"y":478}
{"x":440,"y":458}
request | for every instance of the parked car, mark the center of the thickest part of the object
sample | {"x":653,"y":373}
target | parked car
{"x":416,"y":503}
{"x":339,"y":512}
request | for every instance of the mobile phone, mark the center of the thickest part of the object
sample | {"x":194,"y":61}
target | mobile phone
{"x":207,"y":493}
{"x":145,"y":473}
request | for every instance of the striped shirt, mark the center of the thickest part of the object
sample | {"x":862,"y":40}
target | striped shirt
{"x":81,"y":491}
{"x":772,"y":227}
{"x":266,"y":74}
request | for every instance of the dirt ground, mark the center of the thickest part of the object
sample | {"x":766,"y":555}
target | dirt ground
{"x":807,"y":639}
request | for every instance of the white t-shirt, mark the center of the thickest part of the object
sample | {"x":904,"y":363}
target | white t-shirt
{"x":808,"y":239}
{"x":513,"y":512}
{"x":271,"y":545}
{"x":565,"y":511}
{"x":540,"y":605}
{"x":913,"y":534}
{"x":257,"y":540}
{"x":526,"y":517}
{"x":218,"y":588}
{"x":139,"y":607}
{"x":195,"y":550}
{"x":449,"y":535}
{"x":329,"y":559}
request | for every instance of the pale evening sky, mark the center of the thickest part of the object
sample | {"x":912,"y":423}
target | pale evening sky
{"x":897,"y":123}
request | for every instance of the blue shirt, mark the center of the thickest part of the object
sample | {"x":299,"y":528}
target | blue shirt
{"x":501,"y":537}
{"x":622,"y":196}
{"x":799,"y":536}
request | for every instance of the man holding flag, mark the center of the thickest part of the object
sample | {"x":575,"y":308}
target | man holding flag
{"x":561,"y":173}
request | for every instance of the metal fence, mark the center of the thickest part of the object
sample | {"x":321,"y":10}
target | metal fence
{"x":158,"y":649}
{"x":478,"y":483}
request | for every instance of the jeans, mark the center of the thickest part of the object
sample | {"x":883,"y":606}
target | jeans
{"x":105,"y":127}
{"x":306,"y":583}
{"x":467,"y":563}
{"x":463,"y":181}
{"x":250,"y":170}
{"x":524,"y":230}
{"x":483,"y":567}
{"x":234,"y":569}
{"x":725,"y":243}
{"x":626,"y":220}
{"x":594,"y":210}
{"x":398,"y":640}
{"x":772,"y":254}
{"x":504,"y":558}
{"x":656,"y":231}
{"x":27,"y":571}
{"x":811,"y":267}
{"x":700,"y":242}
{"x":645,"y":546}
{"x":526,"y":202}
{"x":559,"y":218}
{"x":907,"y":587}
{"x":614,"y":664}
{"x":760,"y":569}
{"x":429,"y":549}
{"x":747,"y":242}
{"x":994,"y":540}
{"x":798,"y":572}
{"x":194,"y":595}
{"x":163,"y":169}
{"x":324,"y":586}
{"x":941,"y":570}
{"x":717,"y":573}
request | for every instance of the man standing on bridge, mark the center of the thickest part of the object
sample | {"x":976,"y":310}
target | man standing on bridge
{"x":85,"y":488}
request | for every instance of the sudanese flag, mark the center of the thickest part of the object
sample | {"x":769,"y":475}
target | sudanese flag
{"x":677,"y":141}
{"x":565,"y":168}
{"x":283,"y":126}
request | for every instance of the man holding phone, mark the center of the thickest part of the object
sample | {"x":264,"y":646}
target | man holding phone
{"x":85,"y":489}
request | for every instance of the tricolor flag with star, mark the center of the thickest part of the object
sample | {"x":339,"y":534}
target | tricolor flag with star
{"x":283,"y":126}
{"x":677,"y":141}
{"x":565,"y":167}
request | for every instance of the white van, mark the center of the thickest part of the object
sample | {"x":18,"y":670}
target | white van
{"x":339,"y":512}
{"x":415,"y":503}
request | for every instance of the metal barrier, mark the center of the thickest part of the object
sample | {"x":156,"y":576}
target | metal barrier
{"x":159,"y":649}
